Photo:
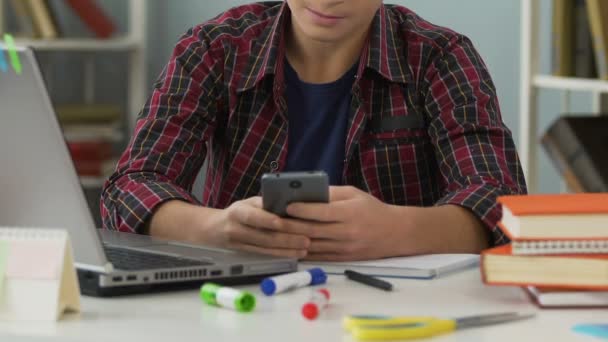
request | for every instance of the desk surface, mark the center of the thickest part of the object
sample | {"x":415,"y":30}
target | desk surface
{"x":164,"y":317}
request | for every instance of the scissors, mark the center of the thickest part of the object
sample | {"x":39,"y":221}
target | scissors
{"x":366,"y":328}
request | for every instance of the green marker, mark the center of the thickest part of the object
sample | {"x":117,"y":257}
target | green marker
{"x":227,"y":297}
{"x":12,"y":52}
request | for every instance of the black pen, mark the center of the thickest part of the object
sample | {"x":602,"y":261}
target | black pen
{"x":368,"y":280}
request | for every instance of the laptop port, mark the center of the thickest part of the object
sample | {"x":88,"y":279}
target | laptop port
{"x":236,"y":270}
{"x":131,"y":278}
{"x":116,"y":279}
{"x":216,"y":273}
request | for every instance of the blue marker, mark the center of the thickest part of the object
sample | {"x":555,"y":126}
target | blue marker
{"x":290,"y":281}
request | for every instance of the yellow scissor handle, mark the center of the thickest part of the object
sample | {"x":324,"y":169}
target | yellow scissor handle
{"x":350,"y":322}
{"x":406,"y":331}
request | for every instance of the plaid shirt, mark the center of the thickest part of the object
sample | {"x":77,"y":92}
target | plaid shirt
{"x":424,"y":130}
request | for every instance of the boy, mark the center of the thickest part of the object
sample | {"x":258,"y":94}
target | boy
{"x":401,"y":114}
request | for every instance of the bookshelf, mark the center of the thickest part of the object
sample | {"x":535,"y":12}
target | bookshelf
{"x":81,"y":45}
{"x":132,"y":42}
{"x":131,"y":45}
{"x":533,"y":81}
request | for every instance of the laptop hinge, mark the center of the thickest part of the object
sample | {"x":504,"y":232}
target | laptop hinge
{"x":105,"y":269}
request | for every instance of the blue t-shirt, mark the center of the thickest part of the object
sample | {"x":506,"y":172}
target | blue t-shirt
{"x":318,"y":119}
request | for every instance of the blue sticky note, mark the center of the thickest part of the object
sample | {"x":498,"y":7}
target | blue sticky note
{"x":12,"y":53}
{"x":596,"y":330}
{"x":3,"y":262}
{"x":3,"y":62}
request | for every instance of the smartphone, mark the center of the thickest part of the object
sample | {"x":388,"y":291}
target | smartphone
{"x":281,"y":189}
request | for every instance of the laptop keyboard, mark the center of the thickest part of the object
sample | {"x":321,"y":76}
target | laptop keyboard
{"x":130,"y":260}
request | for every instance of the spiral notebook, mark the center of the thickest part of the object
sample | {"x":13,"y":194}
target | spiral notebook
{"x":566,"y":246}
{"x":555,"y":246}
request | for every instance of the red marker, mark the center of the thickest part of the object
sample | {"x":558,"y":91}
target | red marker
{"x":316,"y":304}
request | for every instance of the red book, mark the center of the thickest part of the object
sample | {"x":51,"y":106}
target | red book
{"x":94,"y":17}
{"x":90,"y":150}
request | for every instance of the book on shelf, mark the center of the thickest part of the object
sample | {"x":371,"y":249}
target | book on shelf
{"x":23,"y":18}
{"x":584,"y":58}
{"x":598,"y":19}
{"x":499,"y":266}
{"x":44,"y":21}
{"x":90,"y":150}
{"x":95,"y":168}
{"x":577,"y":146}
{"x":88,"y":113}
{"x":546,"y":297}
{"x":94,"y":17}
{"x":2,"y":18}
{"x":555,"y":216}
{"x":93,"y":158}
{"x":563,"y":37}
{"x":93,"y":132}
{"x":37,"y":18}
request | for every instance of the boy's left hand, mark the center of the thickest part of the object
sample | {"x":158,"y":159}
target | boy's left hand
{"x":354,"y":225}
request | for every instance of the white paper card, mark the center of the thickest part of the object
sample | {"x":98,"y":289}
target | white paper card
{"x":38,"y":281}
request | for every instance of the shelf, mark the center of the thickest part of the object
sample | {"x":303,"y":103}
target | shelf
{"x":570,"y":83}
{"x":92,"y":182}
{"x":115,"y":137}
{"x":81,"y":44}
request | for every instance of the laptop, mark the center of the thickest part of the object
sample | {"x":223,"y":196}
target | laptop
{"x":39,"y":188}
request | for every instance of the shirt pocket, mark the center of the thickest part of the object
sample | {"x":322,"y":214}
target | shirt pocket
{"x":399,"y":166}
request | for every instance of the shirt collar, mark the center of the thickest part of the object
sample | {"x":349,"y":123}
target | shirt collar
{"x":384,"y":51}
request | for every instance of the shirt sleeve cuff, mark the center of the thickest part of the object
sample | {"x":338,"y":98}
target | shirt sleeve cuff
{"x":137,"y":202}
{"x":481,"y":200}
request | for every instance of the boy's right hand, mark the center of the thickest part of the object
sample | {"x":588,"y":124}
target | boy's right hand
{"x":244,"y":226}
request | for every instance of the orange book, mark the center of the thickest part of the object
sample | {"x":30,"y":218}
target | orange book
{"x":563,"y":216}
{"x":500,"y":267}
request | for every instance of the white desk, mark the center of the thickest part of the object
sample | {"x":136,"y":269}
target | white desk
{"x":173,"y":317}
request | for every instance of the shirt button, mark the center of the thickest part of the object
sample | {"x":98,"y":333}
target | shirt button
{"x":274,"y":165}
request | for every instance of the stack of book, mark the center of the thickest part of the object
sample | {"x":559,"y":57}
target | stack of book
{"x":39,"y":18}
{"x":558,"y":250}
{"x":92,"y":132}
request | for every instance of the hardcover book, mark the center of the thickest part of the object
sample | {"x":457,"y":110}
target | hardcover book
{"x":577,"y":146}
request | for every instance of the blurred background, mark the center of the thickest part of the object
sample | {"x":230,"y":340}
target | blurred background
{"x":100,"y":58}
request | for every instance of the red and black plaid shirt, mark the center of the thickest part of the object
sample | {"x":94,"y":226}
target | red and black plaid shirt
{"x":425,"y":127}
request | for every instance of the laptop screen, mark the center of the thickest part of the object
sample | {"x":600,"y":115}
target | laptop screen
{"x":39,"y":186}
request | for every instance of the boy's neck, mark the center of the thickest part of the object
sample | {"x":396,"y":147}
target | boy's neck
{"x":322,"y":62}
